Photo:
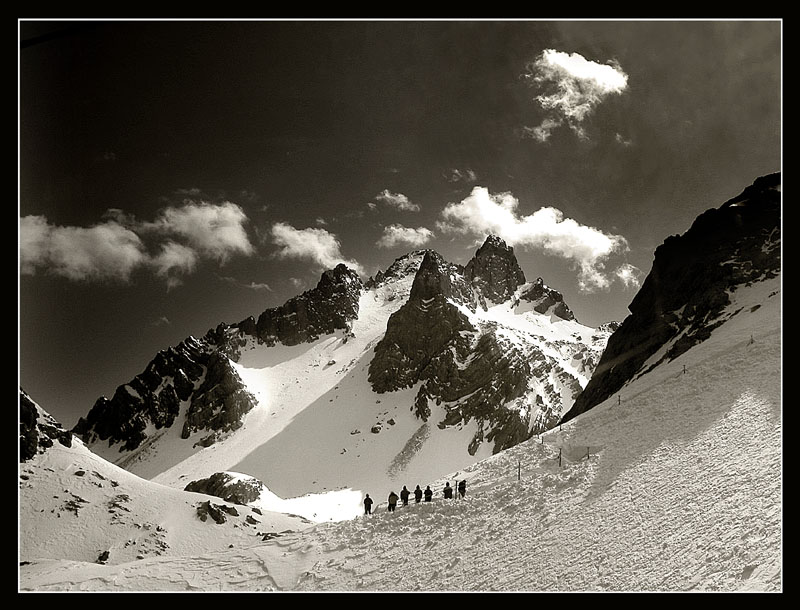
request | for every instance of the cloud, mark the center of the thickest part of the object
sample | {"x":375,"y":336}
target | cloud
{"x":588,"y":248}
{"x":114,"y":248}
{"x":629,"y":275}
{"x":106,"y":251}
{"x":394,"y":235}
{"x":214,"y":230}
{"x":458,"y":175}
{"x":174,"y":259}
{"x":572,"y":87}
{"x":396,"y":200}
{"x":313,"y":244}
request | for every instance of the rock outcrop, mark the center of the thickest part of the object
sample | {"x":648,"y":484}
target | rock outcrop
{"x":683,"y":298}
{"x":38,"y":431}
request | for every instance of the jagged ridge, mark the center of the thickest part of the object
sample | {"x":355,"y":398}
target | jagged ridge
{"x":680,"y":301}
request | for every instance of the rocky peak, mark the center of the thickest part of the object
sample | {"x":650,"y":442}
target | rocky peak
{"x":687,"y":290}
{"x":437,"y":278}
{"x":37,"y":429}
{"x":546,"y":300}
{"x":494,"y":271}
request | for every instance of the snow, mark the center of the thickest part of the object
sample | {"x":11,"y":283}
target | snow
{"x":681,"y":490}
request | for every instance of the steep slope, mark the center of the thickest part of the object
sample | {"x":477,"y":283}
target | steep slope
{"x":675,"y":488}
{"x":423,"y":369}
{"x":78,"y":507}
{"x":685,"y":295}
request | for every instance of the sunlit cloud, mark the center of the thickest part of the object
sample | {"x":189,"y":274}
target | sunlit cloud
{"x":397,"y":201}
{"x":571,"y":87}
{"x":105,"y":251}
{"x":629,"y":275}
{"x":587,"y":248}
{"x":114,"y":248}
{"x":315,"y":245}
{"x":398,"y":235}
{"x":214,"y":230}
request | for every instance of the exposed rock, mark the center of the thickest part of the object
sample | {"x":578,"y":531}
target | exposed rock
{"x":683,"y":297}
{"x":494,"y":271}
{"x":236,"y":490}
{"x":37,"y":429}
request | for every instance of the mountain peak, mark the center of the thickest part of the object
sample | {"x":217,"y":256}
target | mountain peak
{"x":494,"y":270}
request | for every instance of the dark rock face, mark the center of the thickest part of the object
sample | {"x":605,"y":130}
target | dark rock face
{"x":422,"y":329}
{"x":37,"y":430}
{"x":332,"y":305}
{"x":547,"y":300}
{"x":684,"y":295}
{"x":468,"y":366}
{"x":154,"y":398}
{"x":494,"y":271}
{"x":223,"y":485}
{"x":199,"y":374}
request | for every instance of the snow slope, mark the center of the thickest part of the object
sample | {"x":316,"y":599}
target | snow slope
{"x":674,"y":484}
{"x":320,"y":437}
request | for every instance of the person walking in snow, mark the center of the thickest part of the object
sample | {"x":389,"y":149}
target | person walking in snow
{"x":428,"y":493}
{"x":392,"y":501}
{"x":417,"y":494}
{"x":404,"y":493}
{"x":462,"y":487}
{"x":367,"y":505}
{"x":448,"y":491}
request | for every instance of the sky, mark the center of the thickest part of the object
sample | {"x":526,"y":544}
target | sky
{"x":174,"y":175}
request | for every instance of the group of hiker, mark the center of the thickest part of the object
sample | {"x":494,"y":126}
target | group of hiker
{"x":418,"y":493}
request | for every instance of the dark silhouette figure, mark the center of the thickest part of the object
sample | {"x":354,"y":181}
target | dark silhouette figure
{"x":462,"y":488}
{"x":392,"y":501}
{"x":428,"y":493}
{"x":367,"y":505}
{"x":404,"y":494}
{"x":417,"y":494}
{"x":448,"y":491}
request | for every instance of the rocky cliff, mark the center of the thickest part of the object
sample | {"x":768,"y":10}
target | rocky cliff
{"x":682,"y":299}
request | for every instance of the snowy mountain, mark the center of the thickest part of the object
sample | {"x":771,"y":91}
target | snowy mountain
{"x":426,"y":355}
{"x":676,"y":487}
{"x":688,"y":290}
{"x":669,"y":480}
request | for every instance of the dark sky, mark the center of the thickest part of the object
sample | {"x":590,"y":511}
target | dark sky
{"x":178,"y":174}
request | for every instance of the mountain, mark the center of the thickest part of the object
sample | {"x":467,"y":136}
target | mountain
{"x":76,"y":506}
{"x":426,"y":350}
{"x":673,"y":483}
{"x":686,"y":294}
{"x":677,"y":488}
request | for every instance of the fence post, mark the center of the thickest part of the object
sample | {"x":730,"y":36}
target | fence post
{"x":559,"y":457}
{"x":519,"y":470}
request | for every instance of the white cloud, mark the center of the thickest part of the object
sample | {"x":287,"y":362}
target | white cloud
{"x":397,"y":200}
{"x":395,"y":235}
{"x":482,"y":213}
{"x":115,"y":247}
{"x":572,"y":88}
{"x":216,"y":231}
{"x":629,"y":275}
{"x":458,"y":175}
{"x":313,"y":244}
{"x":101,"y":252}
{"x":174,"y":259}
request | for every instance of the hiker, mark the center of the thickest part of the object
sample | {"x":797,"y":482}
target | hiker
{"x":404,"y":493}
{"x":448,"y":491}
{"x":462,"y":487}
{"x":367,"y":505}
{"x":417,"y":494}
{"x":392,"y":501}
{"x":428,"y":493}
